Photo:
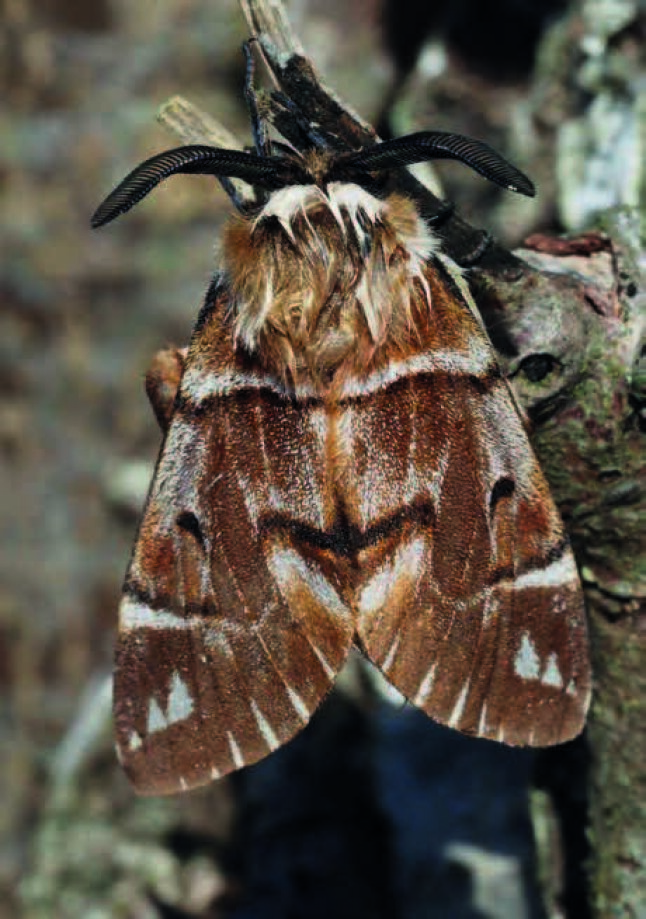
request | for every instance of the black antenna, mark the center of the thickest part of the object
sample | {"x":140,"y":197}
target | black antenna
{"x":267,"y":172}
{"x":433,"y":145}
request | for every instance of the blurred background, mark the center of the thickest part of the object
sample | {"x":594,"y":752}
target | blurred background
{"x":431,"y":824}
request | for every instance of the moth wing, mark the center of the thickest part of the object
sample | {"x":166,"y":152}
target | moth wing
{"x":468,"y":598}
{"x":229,"y":636}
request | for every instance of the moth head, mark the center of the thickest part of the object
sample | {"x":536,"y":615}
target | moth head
{"x":267,"y":173}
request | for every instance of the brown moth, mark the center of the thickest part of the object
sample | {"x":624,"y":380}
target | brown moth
{"x":342,"y":463}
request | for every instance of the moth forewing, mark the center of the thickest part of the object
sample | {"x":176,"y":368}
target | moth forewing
{"x":342,"y":462}
{"x":467,"y":595}
{"x":230,"y":636}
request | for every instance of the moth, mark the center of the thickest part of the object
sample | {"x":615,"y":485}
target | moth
{"x":343,"y":463}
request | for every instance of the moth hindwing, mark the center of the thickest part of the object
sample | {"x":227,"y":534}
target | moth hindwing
{"x":342,"y":463}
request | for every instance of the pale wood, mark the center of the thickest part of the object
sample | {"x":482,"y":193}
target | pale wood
{"x":193,"y":126}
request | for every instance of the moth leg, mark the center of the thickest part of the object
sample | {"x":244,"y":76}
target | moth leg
{"x":162,"y":382}
{"x":443,"y":214}
{"x":258,"y":124}
{"x":440,"y":216}
{"x":467,"y":259}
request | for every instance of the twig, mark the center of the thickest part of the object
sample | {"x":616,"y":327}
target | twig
{"x":267,"y":17}
{"x":193,"y":126}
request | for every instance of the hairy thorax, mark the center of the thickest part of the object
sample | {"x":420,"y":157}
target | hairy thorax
{"x":323,"y":282}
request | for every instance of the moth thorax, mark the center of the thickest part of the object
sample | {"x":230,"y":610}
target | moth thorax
{"x":323,"y":277}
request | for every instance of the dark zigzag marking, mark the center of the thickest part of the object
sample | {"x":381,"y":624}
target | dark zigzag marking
{"x":343,"y":541}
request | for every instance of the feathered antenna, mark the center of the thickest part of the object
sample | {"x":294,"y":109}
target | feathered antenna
{"x":433,"y":145}
{"x":266,"y":172}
